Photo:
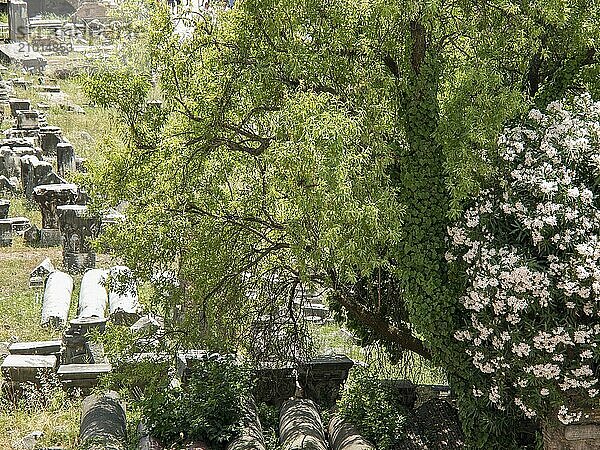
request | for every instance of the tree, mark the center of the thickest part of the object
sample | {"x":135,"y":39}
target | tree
{"x":312,"y":143}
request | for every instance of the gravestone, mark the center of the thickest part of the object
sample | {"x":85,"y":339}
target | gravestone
{"x":92,"y":295}
{"x":49,"y":197}
{"x":300,"y":426}
{"x":65,"y":158}
{"x":57,"y":299}
{"x":103,"y":423}
{"x":77,"y":227}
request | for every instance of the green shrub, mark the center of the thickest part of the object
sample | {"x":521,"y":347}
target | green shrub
{"x":370,"y":406}
{"x":207,"y":408}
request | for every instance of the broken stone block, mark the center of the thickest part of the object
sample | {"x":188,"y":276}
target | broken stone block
{"x":92,"y":295}
{"x":123,"y":297}
{"x":49,"y":197}
{"x":33,"y":171}
{"x":323,"y":377}
{"x":18,"y":104}
{"x":300,"y":426}
{"x":50,"y":137}
{"x":83,"y":376}
{"x":43,"y":269}
{"x":32,"y":236}
{"x":28,"y":120}
{"x":35,"y":348}
{"x":65,"y":158}
{"x":77,"y":227}
{"x":6,"y":233}
{"x":76,"y":338}
{"x":57,"y":299}
{"x":103,"y":423}
{"x":18,"y":21}
{"x":4,"y":207}
{"x":8,"y":185}
{"x":24,"y":368}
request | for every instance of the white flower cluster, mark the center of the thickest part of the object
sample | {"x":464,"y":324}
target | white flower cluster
{"x":530,"y":249}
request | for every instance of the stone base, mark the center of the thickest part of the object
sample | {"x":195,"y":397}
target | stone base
{"x":581,"y":435}
{"x":79,"y":262}
{"x":50,"y":237}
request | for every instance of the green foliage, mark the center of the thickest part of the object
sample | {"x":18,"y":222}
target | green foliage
{"x":371,"y":406}
{"x":328,"y":144}
{"x":208,"y":407}
{"x":269,"y":421}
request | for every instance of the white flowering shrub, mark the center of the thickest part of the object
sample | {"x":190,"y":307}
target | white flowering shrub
{"x":530,"y":250}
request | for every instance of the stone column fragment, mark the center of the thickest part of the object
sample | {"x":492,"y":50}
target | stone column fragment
{"x":300,"y":426}
{"x":57,"y":299}
{"x":103,"y":423}
{"x":344,"y":436}
{"x":123,"y":297}
{"x":92,"y":295}
{"x":251,"y":436}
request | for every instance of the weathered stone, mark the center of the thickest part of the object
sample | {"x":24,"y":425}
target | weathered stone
{"x":28,"y":120}
{"x":92,"y":295}
{"x":32,"y":236}
{"x":24,"y":56}
{"x":583,"y":434}
{"x":147,"y":325}
{"x":65,"y":158}
{"x":4,"y":207}
{"x":43,"y":269}
{"x":50,"y":137}
{"x":103,"y":423}
{"x":76,"y":338}
{"x":18,"y":21}
{"x":8,"y":185}
{"x":33,"y":171}
{"x":344,"y":436}
{"x":123,"y":302}
{"x":251,"y":436}
{"x":49,"y":197}
{"x":274,"y":383}
{"x":35,"y":348}
{"x":83,"y":376}
{"x":300,"y":426}
{"x":18,"y":104}
{"x":77,"y":228}
{"x":23,"y":368}
{"x":6,"y":233}
{"x":19,"y":225}
{"x":322,"y":378}
{"x":57,"y":299}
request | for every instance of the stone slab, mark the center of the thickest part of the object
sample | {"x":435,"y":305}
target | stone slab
{"x":27,"y":367}
{"x":82,"y":371}
{"x":35,"y":348}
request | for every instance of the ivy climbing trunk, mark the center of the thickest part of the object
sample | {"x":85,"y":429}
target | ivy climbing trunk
{"x":421,"y":179}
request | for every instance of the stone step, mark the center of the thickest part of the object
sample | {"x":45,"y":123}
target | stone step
{"x":35,"y":348}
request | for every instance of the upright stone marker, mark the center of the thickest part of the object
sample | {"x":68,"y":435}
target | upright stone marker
{"x":4,"y":207}
{"x":50,"y":137}
{"x":65,"y":158}
{"x":18,"y":21}
{"x":57,"y":299}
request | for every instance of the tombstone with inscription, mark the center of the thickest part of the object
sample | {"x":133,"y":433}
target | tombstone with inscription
{"x":6,"y":233}
{"x":77,"y":228}
{"x":49,"y":197}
